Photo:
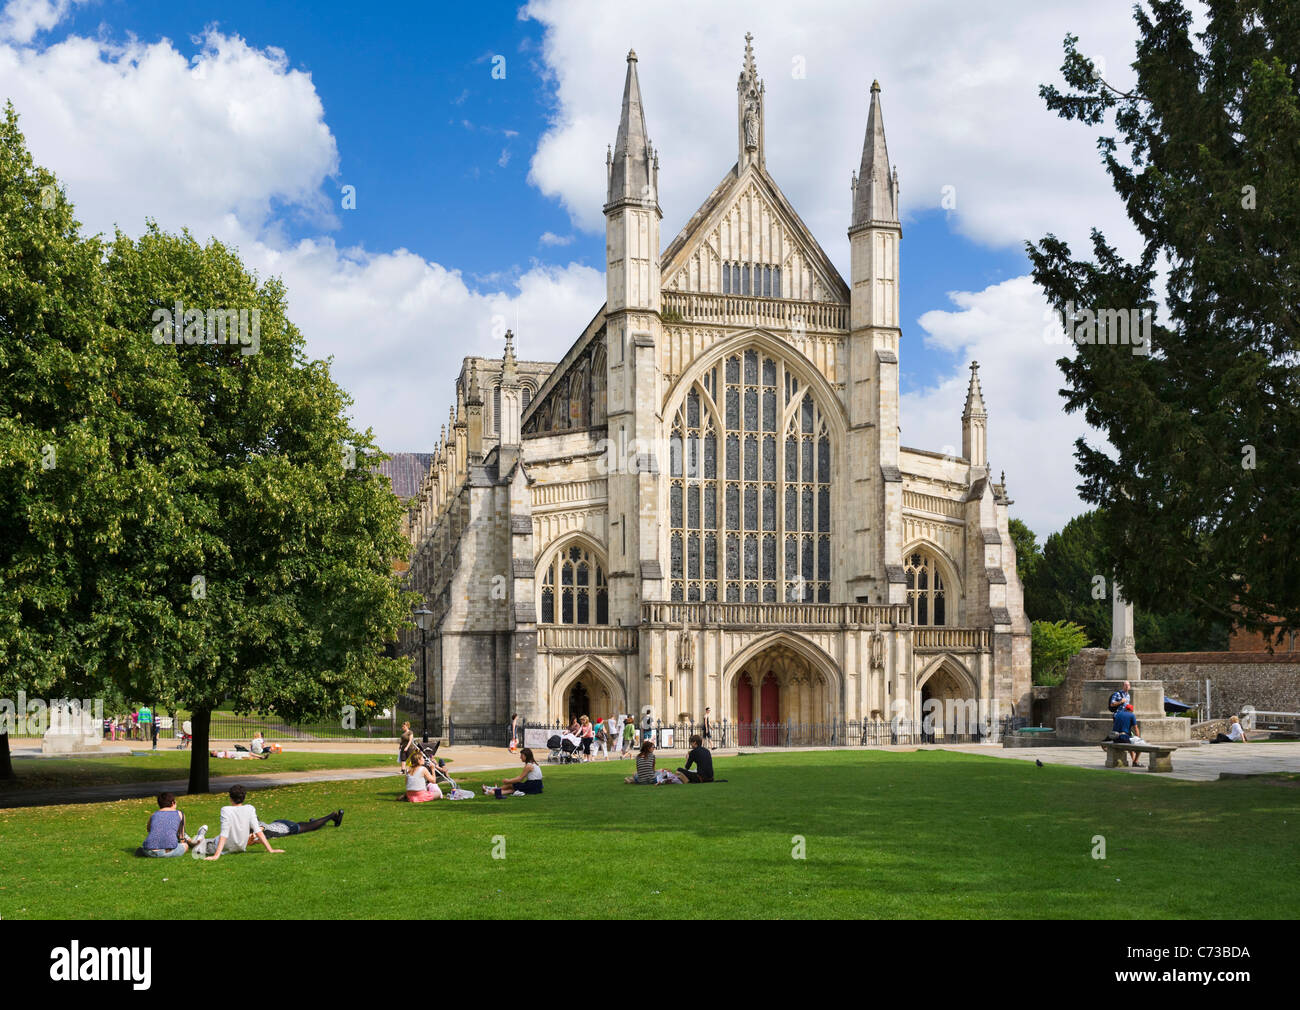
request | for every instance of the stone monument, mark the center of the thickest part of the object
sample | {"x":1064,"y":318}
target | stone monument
{"x":1148,"y":696}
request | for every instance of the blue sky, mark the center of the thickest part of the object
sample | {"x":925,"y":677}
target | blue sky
{"x":479,"y":197}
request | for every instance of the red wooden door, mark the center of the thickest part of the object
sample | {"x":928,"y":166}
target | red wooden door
{"x":745,"y":709}
{"x":771,"y":709}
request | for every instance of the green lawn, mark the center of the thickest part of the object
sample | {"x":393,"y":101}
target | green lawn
{"x":160,"y":766}
{"x":927,"y":834}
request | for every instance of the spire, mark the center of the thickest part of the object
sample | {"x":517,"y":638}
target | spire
{"x":629,"y":166}
{"x":974,"y":395}
{"x":875,"y":196}
{"x":749,"y":105}
{"x":508,"y":361}
{"x":975,"y":423}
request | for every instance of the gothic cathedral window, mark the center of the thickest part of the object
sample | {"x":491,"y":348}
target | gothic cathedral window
{"x":574,"y":590}
{"x":926,"y":594}
{"x":749,"y":492}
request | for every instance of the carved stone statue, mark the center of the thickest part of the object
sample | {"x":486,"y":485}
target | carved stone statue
{"x":751,"y":122}
{"x":685,"y":649}
{"x":877,"y":654}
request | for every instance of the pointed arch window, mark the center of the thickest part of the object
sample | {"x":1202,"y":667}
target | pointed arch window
{"x":496,"y":409}
{"x":574,"y":589}
{"x":749,"y":487}
{"x":926,"y":592}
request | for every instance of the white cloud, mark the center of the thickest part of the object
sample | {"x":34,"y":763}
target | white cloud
{"x":1005,"y":328}
{"x":138,"y":130}
{"x":222,"y":142}
{"x":550,"y":238}
{"x":398,"y":326}
{"x":22,"y":20}
{"x":960,"y":100}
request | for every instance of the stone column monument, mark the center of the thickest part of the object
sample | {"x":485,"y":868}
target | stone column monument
{"x":1123,"y":662}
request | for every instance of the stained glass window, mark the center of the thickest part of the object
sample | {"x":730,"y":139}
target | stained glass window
{"x":577,"y":578}
{"x":926,"y":593}
{"x":770,"y":491}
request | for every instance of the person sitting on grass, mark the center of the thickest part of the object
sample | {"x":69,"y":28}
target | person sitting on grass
{"x":421,"y":782}
{"x":528,"y":782}
{"x":1235,"y":733}
{"x":645,"y":766}
{"x":259,"y":747}
{"x":283,"y":828}
{"x":702,"y":758}
{"x":165,"y":835}
{"x":239,"y":827}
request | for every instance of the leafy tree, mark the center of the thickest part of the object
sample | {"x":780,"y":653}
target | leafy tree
{"x":1072,"y":581}
{"x":188,"y":524}
{"x":66,"y":507}
{"x":1054,"y":643}
{"x":1027,"y":553}
{"x":278,"y":592}
{"x":1203,"y":486}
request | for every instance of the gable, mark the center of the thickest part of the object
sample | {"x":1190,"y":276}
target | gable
{"x":747,"y":221}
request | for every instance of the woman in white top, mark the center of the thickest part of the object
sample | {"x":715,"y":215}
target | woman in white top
{"x":528,"y":782}
{"x":1235,"y":733}
{"x":421,"y":786}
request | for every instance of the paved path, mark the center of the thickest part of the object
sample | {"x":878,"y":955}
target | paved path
{"x":1193,"y":764}
{"x":462,"y":760}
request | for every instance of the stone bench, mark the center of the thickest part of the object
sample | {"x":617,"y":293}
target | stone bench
{"x":1161,"y":759}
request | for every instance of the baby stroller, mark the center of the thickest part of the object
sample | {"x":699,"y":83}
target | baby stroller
{"x":437,"y":764}
{"x":564,"y":749}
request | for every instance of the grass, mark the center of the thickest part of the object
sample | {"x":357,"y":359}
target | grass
{"x":164,"y":765}
{"x":889,"y":835}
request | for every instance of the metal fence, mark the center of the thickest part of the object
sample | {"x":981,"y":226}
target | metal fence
{"x":230,"y":726}
{"x":731,"y":734}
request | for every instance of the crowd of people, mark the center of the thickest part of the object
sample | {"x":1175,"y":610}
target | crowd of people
{"x":137,"y":724}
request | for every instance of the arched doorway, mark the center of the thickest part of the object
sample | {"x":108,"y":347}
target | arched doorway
{"x":781,"y":694}
{"x":588,"y":695}
{"x":949,"y":710}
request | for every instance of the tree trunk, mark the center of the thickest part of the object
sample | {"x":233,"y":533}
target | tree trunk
{"x":200,"y":724}
{"x":6,"y":760}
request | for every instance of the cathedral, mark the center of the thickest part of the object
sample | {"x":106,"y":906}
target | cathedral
{"x":705,"y":502}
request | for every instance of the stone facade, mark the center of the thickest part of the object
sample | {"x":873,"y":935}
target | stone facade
{"x":704,"y":503}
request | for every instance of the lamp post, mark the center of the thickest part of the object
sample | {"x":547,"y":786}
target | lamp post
{"x":423,"y":617}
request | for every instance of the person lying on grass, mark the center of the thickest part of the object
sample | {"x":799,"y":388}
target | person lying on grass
{"x":528,"y":782}
{"x":239,"y":826}
{"x":421,"y":783}
{"x":281,"y":828}
{"x":165,"y":835}
{"x":238,"y":754}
